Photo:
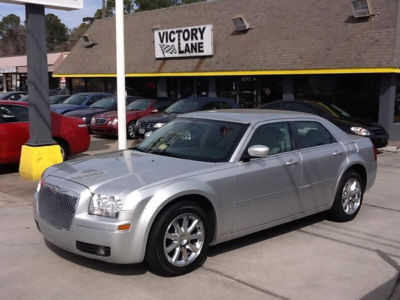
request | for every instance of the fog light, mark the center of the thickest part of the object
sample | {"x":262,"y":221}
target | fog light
{"x":101,"y":251}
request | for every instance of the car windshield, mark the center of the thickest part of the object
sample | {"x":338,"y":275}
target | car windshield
{"x":328,"y":109}
{"x":56,"y":99}
{"x":139,"y":104}
{"x":105,"y":103}
{"x":76,"y":99}
{"x":185,"y":106}
{"x":195,"y":139}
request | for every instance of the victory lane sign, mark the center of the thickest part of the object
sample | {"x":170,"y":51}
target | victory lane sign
{"x":184,"y":42}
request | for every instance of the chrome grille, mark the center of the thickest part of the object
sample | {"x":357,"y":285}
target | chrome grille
{"x":100,"y":121}
{"x":146,"y":125}
{"x":57,"y":207}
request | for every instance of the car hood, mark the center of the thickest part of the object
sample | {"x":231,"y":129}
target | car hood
{"x":125,"y":170}
{"x":159,"y":118}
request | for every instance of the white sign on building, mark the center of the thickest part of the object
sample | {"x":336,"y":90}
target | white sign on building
{"x":184,"y":42}
{"x":57,"y":4}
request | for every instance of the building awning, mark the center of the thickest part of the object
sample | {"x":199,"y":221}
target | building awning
{"x":18,"y":64}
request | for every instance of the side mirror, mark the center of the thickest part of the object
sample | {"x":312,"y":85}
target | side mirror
{"x":258,"y":151}
{"x":147,"y":134}
{"x":154,"y":111}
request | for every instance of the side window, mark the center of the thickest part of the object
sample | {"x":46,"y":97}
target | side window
{"x":225,"y":105}
{"x":275,"y":136}
{"x":311,"y":134}
{"x":296,"y":106}
{"x":6,"y":115}
{"x":211,"y":105}
{"x":273,"y":105}
{"x":15,"y":97}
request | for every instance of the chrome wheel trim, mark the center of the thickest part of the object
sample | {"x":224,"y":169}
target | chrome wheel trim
{"x":351,"y":196}
{"x":131,"y":130}
{"x":183,"y":240}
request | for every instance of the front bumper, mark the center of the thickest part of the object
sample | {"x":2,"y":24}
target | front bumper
{"x":104,"y":130}
{"x":125,"y":246}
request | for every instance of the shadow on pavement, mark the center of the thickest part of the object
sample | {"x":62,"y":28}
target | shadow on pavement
{"x":97,"y":265}
{"x":265,"y":234}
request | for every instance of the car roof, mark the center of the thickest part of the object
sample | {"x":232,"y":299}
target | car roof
{"x":249,"y":116}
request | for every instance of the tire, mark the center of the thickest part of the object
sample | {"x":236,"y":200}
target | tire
{"x":170,"y":249}
{"x":348,"y":198}
{"x":64,"y":149}
{"x":131,"y":130}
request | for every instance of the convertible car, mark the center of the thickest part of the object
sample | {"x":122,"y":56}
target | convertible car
{"x":202,"y":179}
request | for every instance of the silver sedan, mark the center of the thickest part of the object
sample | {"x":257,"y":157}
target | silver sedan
{"x":203,"y":179}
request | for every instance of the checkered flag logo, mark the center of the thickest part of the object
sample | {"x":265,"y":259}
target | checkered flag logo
{"x":169,"y":49}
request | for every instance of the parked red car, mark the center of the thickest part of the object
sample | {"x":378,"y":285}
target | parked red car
{"x":107,"y":123}
{"x":70,"y":133}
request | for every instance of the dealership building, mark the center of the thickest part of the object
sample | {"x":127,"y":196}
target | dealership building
{"x":346,"y":52}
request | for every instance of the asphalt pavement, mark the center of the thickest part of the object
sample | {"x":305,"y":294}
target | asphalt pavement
{"x":311,"y":258}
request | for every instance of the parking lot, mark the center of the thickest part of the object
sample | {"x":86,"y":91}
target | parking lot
{"x":307,"y":259}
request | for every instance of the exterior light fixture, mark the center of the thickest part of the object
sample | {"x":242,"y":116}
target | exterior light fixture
{"x":240,"y":23}
{"x":155,"y":28}
{"x":88,"y":40}
{"x":361,"y":8}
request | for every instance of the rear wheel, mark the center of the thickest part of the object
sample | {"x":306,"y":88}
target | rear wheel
{"x":178,"y":240}
{"x":348,"y":197}
{"x":131,"y":130}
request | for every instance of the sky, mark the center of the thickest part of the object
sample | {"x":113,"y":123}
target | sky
{"x":70,"y":18}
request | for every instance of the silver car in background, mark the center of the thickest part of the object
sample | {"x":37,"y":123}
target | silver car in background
{"x":203,"y":179}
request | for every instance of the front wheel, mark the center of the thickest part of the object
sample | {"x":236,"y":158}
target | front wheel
{"x":178,"y":240}
{"x":348,"y":197}
{"x":131,"y":130}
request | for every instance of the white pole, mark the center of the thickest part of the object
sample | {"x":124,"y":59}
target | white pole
{"x":120,"y":46}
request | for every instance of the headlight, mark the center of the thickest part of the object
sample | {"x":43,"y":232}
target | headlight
{"x":159,"y":125}
{"x":84,"y":119}
{"x":113,"y":122}
{"x":106,"y":206}
{"x":93,"y":121}
{"x":360,"y":131}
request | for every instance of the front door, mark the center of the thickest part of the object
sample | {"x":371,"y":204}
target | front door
{"x":266,"y":188}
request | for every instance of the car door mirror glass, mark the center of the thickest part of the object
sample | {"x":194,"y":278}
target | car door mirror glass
{"x":258,"y":151}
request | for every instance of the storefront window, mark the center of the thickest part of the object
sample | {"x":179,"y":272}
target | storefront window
{"x":172,"y":87}
{"x":95,"y":85}
{"x":202,"y":86}
{"x":227,"y":87}
{"x":187,"y":87}
{"x":357,"y":94}
{"x":396,"y":118}
{"x":77,"y":85}
{"x":247,"y":95}
{"x":271,"y":89}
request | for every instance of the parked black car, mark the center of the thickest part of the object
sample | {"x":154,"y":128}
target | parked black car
{"x":336,"y":115}
{"x":155,"y":121}
{"x":100,"y":106}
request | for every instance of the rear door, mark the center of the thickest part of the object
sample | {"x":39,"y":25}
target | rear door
{"x":14,"y":131}
{"x":321,"y":157}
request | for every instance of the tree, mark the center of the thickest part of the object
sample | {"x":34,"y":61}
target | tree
{"x":110,"y":8}
{"x":57,"y":33}
{"x":12,"y":36}
{"x":76,"y":34}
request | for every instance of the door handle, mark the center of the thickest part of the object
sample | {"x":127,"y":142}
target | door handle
{"x":337,"y":153}
{"x":292,"y":162}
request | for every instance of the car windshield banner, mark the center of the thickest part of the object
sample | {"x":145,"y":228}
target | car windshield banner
{"x":184,"y":42}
